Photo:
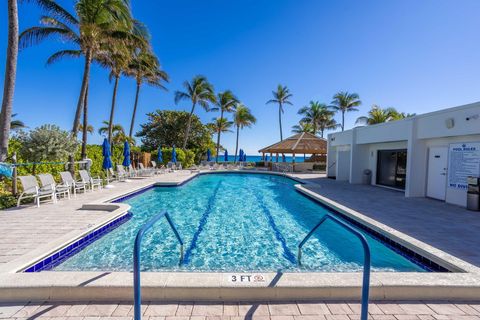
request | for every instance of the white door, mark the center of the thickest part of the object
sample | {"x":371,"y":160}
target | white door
{"x":437,"y":172}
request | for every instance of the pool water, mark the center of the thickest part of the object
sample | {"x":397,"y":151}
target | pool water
{"x":234,"y":222}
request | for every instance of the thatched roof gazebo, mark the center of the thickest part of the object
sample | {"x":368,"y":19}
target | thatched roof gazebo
{"x":301,"y":143}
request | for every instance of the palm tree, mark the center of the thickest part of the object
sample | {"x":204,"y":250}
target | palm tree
{"x":198,"y":91}
{"x":221,"y":125}
{"x":94,"y":23}
{"x":89,"y":129}
{"x":118,"y":136}
{"x":281,"y":97}
{"x":327,"y":123}
{"x":380,"y":115}
{"x":16,"y":124}
{"x":10,"y":76}
{"x":226,"y":102}
{"x":145,"y":68}
{"x":242,"y":118}
{"x":345,"y":102}
{"x":314,"y":113}
{"x":303,"y":127}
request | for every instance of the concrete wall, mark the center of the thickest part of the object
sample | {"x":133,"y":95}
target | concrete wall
{"x":417,"y":134}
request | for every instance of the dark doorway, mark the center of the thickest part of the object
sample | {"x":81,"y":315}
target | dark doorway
{"x":392,"y":168}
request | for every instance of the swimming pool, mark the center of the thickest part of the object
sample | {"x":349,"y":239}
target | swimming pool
{"x":234,"y":222}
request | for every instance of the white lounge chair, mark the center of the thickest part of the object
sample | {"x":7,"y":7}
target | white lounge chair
{"x":31,"y":189}
{"x":68,"y":181}
{"x":145,"y":171}
{"x":132,"y":172}
{"x":48,"y":183}
{"x":122,"y":173}
{"x":171,"y":167}
{"x":90,"y":181}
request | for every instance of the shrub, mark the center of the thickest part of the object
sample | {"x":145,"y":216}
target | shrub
{"x":185,"y":157}
{"x":319,"y":167}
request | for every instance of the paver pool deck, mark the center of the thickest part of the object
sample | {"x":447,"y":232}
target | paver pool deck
{"x":29,"y":229}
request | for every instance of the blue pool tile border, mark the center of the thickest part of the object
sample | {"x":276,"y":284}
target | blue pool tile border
{"x":63,"y":254}
{"x":407,"y":253}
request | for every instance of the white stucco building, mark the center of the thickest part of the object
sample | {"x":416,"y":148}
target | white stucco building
{"x":428,"y":155}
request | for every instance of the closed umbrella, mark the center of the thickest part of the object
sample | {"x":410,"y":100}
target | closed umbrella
{"x":174,"y":155}
{"x":107,"y":162}
{"x":209,"y":155}
{"x":160,"y":156}
{"x":240,"y":156}
{"x":126,"y":154}
{"x":244,"y":156}
{"x":225,"y":157}
{"x":266,"y":158}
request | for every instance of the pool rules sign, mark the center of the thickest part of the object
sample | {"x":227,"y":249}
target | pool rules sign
{"x":464,"y":161}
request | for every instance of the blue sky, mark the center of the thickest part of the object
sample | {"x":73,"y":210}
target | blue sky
{"x":416,"y":56}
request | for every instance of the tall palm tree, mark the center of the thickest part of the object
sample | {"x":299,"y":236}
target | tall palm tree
{"x":93,"y":23}
{"x":345,"y":102}
{"x":226,"y":102}
{"x":10,"y":76}
{"x":198,"y":91}
{"x":303,"y":127}
{"x":281,"y":97}
{"x":242,"y":118}
{"x":380,"y":115}
{"x":145,"y":68}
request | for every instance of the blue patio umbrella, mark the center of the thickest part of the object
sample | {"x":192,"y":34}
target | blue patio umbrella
{"x":266,"y":158}
{"x":107,"y":162}
{"x":160,"y":155}
{"x":225,"y":157}
{"x":209,"y":155}
{"x":240,"y":154}
{"x":174,"y":155}
{"x":244,"y":156}
{"x":126,"y":154}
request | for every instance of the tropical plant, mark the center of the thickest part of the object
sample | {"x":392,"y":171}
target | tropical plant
{"x":145,"y":68}
{"x":303,"y":127}
{"x":118,"y":133}
{"x":220,"y":125}
{"x":93,"y":24}
{"x":319,"y":116}
{"x":167,"y":128}
{"x":281,"y":97}
{"x":345,"y":102}
{"x":90,"y":129}
{"x":242,"y":118}
{"x":380,"y":115}
{"x":16,"y":124}
{"x":226,"y":102}
{"x":117,"y":55}
{"x":47,"y":143}
{"x":198,"y":91}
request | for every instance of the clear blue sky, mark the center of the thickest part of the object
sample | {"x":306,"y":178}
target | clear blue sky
{"x":417,"y":56}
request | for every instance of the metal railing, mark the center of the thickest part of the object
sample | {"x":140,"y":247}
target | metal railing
{"x":366,"y":261}
{"x":137,"y":295}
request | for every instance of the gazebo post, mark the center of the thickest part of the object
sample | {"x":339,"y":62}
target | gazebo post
{"x":293,"y":162}
{"x":276,"y":157}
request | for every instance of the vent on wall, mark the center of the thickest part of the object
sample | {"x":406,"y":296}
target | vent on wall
{"x":450,"y":123}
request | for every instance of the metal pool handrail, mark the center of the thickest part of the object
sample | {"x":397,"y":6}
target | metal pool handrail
{"x":136,"y":259}
{"x":366,"y":259}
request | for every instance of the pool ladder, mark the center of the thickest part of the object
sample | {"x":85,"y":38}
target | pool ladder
{"x":366,"y":258}
{"x":137,"y":295}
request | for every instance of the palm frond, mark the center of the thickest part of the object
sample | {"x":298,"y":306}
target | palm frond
{"x":55,"y":9}
{"x":36,"y":35}
{"x":63,"y":54}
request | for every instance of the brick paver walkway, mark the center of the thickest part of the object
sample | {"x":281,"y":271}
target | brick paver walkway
{"x":398,"y":310}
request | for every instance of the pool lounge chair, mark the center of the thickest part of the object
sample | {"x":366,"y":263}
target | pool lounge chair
{"x":67,"y":180}
{"x":48,"y":183}
{"x":31,"y":189}
{"x":121,"y":172}
{"x":145,"y":171}
{"x":156,"y":169}
{"x":89,"y":180}
{"x":132,"y":172}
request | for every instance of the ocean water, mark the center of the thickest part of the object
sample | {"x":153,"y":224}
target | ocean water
{"x":233,"y":222}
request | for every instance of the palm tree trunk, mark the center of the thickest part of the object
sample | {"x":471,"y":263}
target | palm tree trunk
{"x":85,"y":126}
{"x":218,"y":136}
{"x":132,"y":123}
{"x":280,"y":120}
{"x":112,"y":110}
{"x":236,"y":144}
{"x":189,"y":123}
{"x":321,"y":132}
{"x":10,"y":75}
{"x":343,"y":120}
{"x":83,"y":90}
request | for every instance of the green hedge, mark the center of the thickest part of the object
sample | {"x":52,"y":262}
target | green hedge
{"x":185,"y":157}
